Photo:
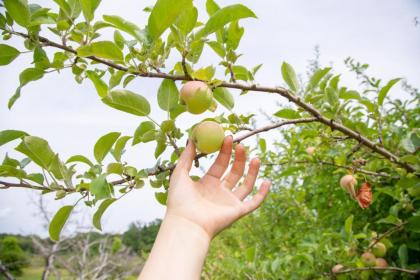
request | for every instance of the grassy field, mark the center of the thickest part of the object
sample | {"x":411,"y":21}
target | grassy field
{"x":35,"y":273}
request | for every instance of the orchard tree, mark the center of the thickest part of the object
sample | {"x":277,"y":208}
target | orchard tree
{"x":366,"y":137}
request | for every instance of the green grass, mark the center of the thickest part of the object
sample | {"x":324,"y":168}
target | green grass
{"x":35,"y":273}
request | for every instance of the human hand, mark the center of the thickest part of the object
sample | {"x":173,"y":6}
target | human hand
{"x":213,"y":202}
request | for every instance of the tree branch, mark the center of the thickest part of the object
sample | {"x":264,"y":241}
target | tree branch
{"x":6,"y":185}
{"x":387,"y":233}
{"x":390,"y":268}
{"x":273,"y":126}
{"x":367,"y":172}
{"x":277,"y":90}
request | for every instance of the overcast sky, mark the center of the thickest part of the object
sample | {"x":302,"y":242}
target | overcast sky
{"x":71,"y":117}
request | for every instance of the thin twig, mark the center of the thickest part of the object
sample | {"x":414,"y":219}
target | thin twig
{"x":356,"y":169}
{"x":387,"y":233}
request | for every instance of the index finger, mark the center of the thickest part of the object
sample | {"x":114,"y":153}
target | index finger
{"x":186,"y":159}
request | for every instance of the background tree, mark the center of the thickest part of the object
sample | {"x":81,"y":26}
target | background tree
{"x":12,"y":255}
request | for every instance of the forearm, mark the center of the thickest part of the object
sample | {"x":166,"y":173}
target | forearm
{"x":179,"y":251}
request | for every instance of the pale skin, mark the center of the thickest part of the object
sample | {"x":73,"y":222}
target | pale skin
{"x":197,"y":211}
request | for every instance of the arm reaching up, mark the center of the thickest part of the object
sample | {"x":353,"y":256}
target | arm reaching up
{"x":197,"y":211}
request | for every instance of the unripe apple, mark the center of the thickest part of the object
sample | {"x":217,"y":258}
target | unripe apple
{"x":379,"y":249}
{"x":310,"y":150}
{"x":368,"y":259}
{"x":365,"y":275}
{"x":197,"y":96}
{"x":337,"y":268}
{"x":208,"y":137}
{"x":380,"y":262}
{"x":347,"y":182}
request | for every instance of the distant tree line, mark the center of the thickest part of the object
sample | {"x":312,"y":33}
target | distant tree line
{"x":16,"y":250}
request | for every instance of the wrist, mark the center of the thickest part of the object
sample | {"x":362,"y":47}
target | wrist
{"x":186,"y":227}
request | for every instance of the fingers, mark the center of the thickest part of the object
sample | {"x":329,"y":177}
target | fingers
{"x":222,"y":161}
{"x":246,"y":188}
{"x":238,"y":168}
{"x":186,"y":159}
{"x":257,"y":199}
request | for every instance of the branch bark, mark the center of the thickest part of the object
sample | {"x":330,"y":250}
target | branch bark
{"x":244,"y":87}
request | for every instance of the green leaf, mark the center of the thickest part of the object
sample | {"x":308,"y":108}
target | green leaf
{"x":384,"y":91}
{"x":217,"y":48}
{"x":167,"y":95}
{"x":205,"y":73}
{"x":38,"y":150}
{"x":119,"y":147}
{"x":287,"y":113}
{"x":160,"y":148}
{"x":19,"y":11}
{"x":41,"y":60}
{"x":127,"y":101}
{"x":126,"y":26}
{"x":224,"y":97}
{"x":80,"y":158}
{"x":100,"y":188}
{"x":102,"y":49}
{"x":89,"y":7}
{"x":58,"y":221}
{"x":317,"y":77}
{"x":100,"y":86}
{"x":7,"y":54}
{"x":225,"y":15}
{"x":348,"y":225}
{"x":349,"y":94}
{"x":403,"y":255}
{"x":29,"y":75}
{"x":414,"y":224}
{"x":211,"y":7}
{"x":104,"y":145}
{"x":164,"y":14}
{"x":187,"y":20}
{"x":140,"y":135}
{"x":10,"y":171}
{"x":115,"y":168}
{"x":161,"y":197}
{"x":407,"y":144}
{"x":9,"y":135}
{"x":168,"y":126}
{"x":101,"y":209}
{"x":289,"y":76}
{"x":233,"y":35}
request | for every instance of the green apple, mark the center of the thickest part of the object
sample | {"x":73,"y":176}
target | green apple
{"x":208,"y":136}
{"x":197,"y":96}
{"x":379,"y":249}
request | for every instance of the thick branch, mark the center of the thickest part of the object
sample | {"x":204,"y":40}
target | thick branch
{"x":277,"y":90}
{"x":390,"y":268}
